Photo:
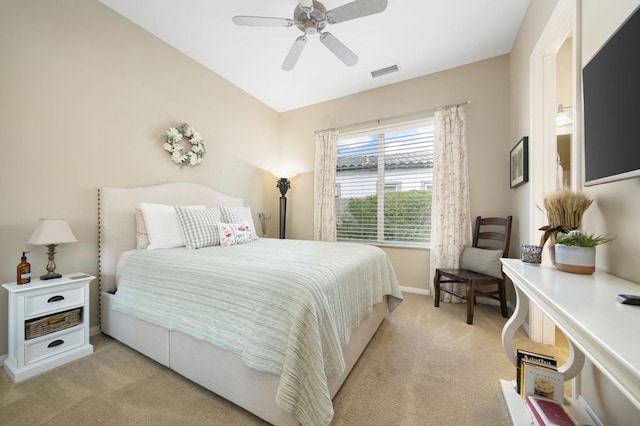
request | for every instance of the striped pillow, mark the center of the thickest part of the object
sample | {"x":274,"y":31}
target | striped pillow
{"x":239,"y":215}
{"x":199,"y":227}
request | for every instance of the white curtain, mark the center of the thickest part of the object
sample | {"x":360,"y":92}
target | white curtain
{"x":324,"y":216}
{"x":450,"y":214}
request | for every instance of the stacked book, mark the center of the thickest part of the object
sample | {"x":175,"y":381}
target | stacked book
{"x":541,"y":386}
{"x":547,"y":412}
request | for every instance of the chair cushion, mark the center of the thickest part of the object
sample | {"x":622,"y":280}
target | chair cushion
{"x":483,"y":261}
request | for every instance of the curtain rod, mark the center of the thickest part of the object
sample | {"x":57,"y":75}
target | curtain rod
{"x":393,"y":117}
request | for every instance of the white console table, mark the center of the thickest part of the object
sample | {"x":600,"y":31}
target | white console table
{"x":585,"y":309}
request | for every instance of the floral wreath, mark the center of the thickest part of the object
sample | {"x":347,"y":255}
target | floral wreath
{"x":172,"y":139}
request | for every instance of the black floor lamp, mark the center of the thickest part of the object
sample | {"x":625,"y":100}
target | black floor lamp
{"x":283,"y":185}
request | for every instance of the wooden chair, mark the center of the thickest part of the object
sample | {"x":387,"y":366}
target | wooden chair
{"x":496,"y":237}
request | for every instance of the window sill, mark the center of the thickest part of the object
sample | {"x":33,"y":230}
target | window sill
{"x":395,"y":245}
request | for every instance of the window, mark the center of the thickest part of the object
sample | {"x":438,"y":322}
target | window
{"x":393,"y":186}
{"x":426,"y":184}
{"x":385,"y":179}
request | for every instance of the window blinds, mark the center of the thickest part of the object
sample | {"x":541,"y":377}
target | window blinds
{"x":383,"y":185}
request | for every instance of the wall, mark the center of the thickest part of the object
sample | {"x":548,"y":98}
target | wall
{"x":563,"y":75}
{"x":86,"y":95}
{"x":485,"y":84}
{"x":564,"y":85}
{"x":533,"y":23}
{"x":615,"y":209}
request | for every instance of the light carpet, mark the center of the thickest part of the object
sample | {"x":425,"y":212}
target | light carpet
{"x":424,"y":366}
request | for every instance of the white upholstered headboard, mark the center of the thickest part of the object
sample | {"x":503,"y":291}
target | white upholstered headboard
{"x":116,"y":217}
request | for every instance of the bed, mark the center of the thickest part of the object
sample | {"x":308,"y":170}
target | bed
{"x":274,"y":392}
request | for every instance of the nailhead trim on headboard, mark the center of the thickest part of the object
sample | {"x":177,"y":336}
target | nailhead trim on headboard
{"x":99,"y":263}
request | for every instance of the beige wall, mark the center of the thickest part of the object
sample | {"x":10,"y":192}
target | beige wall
{"x":85,"y":96}
{"x":563,"y":75}
{"x":615,"y":207}
{"x":485,"y":84}
{"x":533,"y":23}
{"x":564,"y":86}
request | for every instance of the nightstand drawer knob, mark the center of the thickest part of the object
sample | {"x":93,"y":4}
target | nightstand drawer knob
{"x":55,"y":299}
{"x":55,"y":343}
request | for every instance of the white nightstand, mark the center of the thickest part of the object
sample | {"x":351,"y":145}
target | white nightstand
{"x":47,"y":304}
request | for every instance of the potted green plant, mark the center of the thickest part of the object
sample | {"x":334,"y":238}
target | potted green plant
{"x":576,"y":251}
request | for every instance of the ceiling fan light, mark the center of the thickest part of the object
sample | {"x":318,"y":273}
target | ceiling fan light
{"x":384,"y":71}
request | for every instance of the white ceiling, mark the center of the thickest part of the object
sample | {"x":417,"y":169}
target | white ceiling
{"x":420,"y":36}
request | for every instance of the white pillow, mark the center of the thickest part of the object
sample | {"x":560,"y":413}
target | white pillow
{"x":142,"y":238}
{"x":234,"y":233}
{"x":199,"y":226}
{"x":483,"y":261}
{"x":239,"y":215}
{"x":162,"y":225}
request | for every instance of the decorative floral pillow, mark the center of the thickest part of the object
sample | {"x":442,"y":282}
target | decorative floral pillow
{"x":234,"y":233}
{"x":239,"y":215}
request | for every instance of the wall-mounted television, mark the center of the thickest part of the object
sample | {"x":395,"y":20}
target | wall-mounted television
{"x":611,"y":96}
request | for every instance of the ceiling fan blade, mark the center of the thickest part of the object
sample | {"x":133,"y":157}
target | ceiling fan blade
{"x":261,"y":21}
{"x":294,"y":53}
{"x":355,"y":9}
{"x":340,"y":50}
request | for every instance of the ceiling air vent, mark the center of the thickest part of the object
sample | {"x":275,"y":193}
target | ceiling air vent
{"x":383,"y":71}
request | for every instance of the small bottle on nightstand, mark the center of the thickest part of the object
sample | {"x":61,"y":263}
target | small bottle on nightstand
{"x":24,"y":270}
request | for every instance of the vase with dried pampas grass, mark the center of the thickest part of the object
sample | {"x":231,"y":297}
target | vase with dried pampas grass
{"x":564,"y":210}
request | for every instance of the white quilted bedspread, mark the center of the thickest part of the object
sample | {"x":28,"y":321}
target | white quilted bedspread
{"x":287,"y":307}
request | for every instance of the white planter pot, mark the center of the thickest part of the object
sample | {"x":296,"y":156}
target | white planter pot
{"x":577,"y":260}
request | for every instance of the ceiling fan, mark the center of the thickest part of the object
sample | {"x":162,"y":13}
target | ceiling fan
{"x":311,"y":17}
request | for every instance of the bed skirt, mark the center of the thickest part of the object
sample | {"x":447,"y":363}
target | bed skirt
{"x":221,"y":371}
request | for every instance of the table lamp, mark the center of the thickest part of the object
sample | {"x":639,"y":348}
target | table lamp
{"x":51,"y":232}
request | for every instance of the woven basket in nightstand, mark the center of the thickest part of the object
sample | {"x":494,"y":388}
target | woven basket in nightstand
{"x":50,"y":323}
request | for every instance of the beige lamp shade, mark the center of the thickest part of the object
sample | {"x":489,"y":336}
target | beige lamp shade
{"x":52,"y":231}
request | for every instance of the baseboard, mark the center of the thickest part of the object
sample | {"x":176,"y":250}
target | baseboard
{"x":415,"y":290}
{"x":590,"y":411}
{"x":3,"y":357}
{"x":427,"y":292}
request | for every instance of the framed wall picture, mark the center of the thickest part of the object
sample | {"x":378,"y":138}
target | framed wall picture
{"x":520,"y":163}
